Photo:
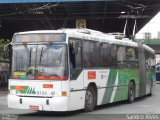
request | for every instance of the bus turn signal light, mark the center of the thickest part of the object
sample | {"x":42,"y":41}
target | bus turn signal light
{"x":64,"y":93}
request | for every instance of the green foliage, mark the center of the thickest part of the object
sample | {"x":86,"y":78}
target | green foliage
{"x":2,"y":43}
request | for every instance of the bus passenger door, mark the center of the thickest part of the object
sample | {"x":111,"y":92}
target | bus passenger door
{"x":142,"y":70}
{"x":76,"y":75}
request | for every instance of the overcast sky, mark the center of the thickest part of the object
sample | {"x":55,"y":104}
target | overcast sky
{"x":153,"y":27}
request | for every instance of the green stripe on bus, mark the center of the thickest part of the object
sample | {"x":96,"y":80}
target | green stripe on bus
{"x":109,"y":89}
{"x":121,"y":93}
{"x":125,"y":75}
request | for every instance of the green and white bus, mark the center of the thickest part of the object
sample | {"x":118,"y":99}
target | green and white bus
{"x":70,"y":69}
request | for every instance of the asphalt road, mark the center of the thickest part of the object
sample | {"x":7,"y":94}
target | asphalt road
{"x":117,"y":111}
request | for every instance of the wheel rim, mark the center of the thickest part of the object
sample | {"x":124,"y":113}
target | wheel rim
{"x":89,"y":99}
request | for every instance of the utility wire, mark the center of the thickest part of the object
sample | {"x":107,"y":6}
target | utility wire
{"x":47,"y":6}
{"x":134,"y":8}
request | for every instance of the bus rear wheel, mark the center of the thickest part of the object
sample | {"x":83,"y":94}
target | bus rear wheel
{"x":131,"y":92}
{"x":90,"y":99}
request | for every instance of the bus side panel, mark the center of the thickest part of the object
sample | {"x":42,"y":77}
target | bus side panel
{"x":77,"y":93}
{"x":100,"y":78}
{"x":150,"y":71}
{"x":117,"y":85}
{"x":111,"y":87}
{"x":112,"y":84}
{"x":150,"y":77}
{"x":142,"y":70}
{"x":124,"y":77}
{"x":77,"y":100}
{"x":148,"y":81}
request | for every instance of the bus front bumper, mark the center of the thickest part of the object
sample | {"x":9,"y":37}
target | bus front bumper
{"x":38,"y":103}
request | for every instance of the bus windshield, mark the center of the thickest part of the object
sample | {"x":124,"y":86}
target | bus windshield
{"x":48,"y":62}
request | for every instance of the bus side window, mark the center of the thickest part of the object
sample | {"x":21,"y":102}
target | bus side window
{"x":132,"y":56}
{"x":147,"y":59}
{"x":91,"y":54}
{"x":150,"y":60}
{"x":114,"y":55}
{"x":105,"y":55}
{"x":121,"y":56}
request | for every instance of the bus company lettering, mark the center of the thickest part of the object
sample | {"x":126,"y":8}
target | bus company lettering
{"x":91,"y":75}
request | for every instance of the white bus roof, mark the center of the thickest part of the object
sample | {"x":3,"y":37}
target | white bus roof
{"x":112,"y":38}
{"x":148,"y":48}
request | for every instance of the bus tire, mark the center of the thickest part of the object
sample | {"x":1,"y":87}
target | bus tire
{"x":90,"y":99}
{"x":131,"y":92}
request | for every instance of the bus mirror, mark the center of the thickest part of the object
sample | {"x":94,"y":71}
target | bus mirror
{"x":75,"y":47}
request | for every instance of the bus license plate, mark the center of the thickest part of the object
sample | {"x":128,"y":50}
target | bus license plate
{"x":35,"y":107}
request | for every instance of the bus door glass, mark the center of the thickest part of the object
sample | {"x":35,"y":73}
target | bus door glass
{"x":75,"y":55}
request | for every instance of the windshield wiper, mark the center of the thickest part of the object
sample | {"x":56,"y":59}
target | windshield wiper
{"x":29,"y":53}
{"x":41,"y":56}
{"x":43,"y":51}
{"x":36,"y":60}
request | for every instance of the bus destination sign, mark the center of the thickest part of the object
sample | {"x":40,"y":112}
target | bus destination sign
{"x":39,"y":37}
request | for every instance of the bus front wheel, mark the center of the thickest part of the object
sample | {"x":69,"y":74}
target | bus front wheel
{"x":90,"y":99}
{"x":131,"y":92}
